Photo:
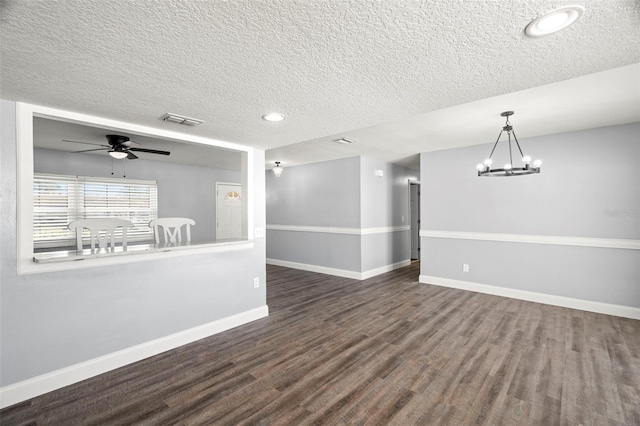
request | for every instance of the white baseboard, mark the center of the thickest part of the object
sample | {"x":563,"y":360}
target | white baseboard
{"x":387,"y":268}
{"x":549,"y":299}
{"x":339,"y":272}
{"x":48,"y":382}
{"x":315,"y":268}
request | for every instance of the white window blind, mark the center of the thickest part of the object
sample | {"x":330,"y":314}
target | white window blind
{"x":59,"y":200}
{"x":54,"y":206}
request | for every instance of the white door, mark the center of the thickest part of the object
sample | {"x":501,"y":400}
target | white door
{"x":228,"y":211}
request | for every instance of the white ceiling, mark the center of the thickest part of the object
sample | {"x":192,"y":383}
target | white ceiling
{"x":400,"y":77}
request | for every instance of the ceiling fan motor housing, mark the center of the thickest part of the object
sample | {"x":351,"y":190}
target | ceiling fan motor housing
{"x":117,"y":140}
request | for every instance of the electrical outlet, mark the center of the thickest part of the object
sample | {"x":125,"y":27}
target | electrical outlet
{"x":256,"y":282}
{"x":259,"y":232}
{"x":465,"y":267}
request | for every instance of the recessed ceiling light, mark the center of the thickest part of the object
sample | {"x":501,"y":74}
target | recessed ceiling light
{"x":554,"y":21}
{"x":273,"y":116}
{"x":344,"y":141}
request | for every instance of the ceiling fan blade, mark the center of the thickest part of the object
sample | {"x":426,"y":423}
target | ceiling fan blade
{"x":131,"y":155}
{"x":86,"y":143}
{"x":130,"y":143}
{"x":89,"y":150}
{"x":150,"y":151}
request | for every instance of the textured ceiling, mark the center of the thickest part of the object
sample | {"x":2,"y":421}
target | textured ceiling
{"x":332,"y":67}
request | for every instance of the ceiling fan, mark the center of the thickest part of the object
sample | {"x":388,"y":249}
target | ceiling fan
{"x":119,"y":147}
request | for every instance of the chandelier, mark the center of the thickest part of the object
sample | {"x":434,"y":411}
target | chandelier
{"x":508,"y":169}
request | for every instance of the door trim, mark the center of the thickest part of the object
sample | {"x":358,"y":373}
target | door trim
{"x":417,"y":230}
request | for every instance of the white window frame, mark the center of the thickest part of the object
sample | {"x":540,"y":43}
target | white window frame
{"x":24,"y":138}
{"x":77,"y":208}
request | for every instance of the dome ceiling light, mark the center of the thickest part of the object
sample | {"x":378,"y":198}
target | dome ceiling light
{"x":278,"y":169}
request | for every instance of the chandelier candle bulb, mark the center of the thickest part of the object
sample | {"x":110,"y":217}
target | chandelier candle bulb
{"x":537,"y":163}
{"x":526,"y":159}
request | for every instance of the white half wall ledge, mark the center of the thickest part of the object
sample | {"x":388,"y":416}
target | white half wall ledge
{"x":617,"y":243}
{"x":530,"y":296}
{"x":30,"y":388}
{"x":340,"y":272}
{"x":110,"y":259}
{"x":339,"y":230}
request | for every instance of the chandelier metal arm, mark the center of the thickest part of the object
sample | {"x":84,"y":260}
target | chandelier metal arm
{"x":517,"y":143}
{"x":495,"y":144}
{"x":510,"y":155}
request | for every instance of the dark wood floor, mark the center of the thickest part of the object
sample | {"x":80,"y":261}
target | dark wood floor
{"x":386,"y":350}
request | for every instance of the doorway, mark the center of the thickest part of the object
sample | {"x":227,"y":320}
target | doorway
{"x":414,"y":213}
{"x":228,"y":211}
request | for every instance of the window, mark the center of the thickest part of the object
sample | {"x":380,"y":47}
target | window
{"x":33,"y":132}
{"x":59,"y":200}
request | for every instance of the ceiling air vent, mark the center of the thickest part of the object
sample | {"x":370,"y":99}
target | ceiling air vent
{"x":180,"y":119}
{"x":344,"y":141}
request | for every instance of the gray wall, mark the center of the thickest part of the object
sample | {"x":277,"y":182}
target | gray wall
{"x":53,"y":320}
{"x":183,"y":190}
{"x":318,"y":194}
{"x":345,"y":194}
{"x":589,"y":186}
{"x":385,"y":202}
{"x":378,"y":250}
{"x":337,"y":251}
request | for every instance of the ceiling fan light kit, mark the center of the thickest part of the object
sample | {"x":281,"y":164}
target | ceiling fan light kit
{"x":508,"y":169}
{"x":118,"y":155}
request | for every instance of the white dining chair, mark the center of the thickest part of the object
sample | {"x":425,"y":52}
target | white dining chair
{"x":101,"y":231}
{"x":171,"y":227}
